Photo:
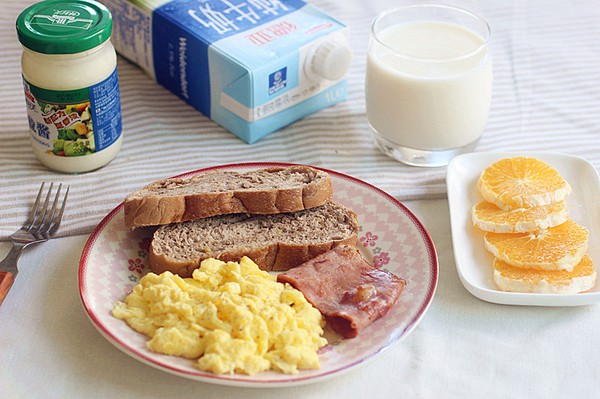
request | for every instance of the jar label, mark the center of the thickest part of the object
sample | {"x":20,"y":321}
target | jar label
{"x":68,"y":123}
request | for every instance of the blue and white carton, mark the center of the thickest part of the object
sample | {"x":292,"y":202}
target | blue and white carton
{"x":252,"y":66}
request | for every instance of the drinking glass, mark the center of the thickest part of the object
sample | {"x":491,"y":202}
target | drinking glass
{"x":428,"y":82}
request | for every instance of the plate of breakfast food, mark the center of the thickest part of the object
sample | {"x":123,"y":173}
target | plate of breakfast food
{"x":258,"y":274}
{"x":526,"y":227}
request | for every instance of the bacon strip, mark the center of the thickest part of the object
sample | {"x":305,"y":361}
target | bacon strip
{"x":346,"y":289}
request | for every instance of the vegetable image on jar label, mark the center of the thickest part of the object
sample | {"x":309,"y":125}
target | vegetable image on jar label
{"x":71,"y":123}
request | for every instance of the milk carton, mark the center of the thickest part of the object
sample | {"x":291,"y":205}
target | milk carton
{"x":253,"y":66}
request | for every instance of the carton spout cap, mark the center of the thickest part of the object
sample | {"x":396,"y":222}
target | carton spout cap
{"x":332,"y":59}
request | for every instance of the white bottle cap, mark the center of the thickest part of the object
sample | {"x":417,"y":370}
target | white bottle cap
{"x":331,"y":60}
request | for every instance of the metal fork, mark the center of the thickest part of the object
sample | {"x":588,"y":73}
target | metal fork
{"x":41,"y":225}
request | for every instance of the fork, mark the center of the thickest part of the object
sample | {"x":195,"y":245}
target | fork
{"x":41,"y":225}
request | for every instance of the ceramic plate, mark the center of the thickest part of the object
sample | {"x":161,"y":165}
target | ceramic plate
{"x":474,"y":262}
{"x":114,"y":259}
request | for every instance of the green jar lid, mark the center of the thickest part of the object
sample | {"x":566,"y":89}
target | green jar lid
{"x":64,"y":26}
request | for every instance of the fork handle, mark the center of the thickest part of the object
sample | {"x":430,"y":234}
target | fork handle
{"x":8,"y":269}
{"x":6,"y":281}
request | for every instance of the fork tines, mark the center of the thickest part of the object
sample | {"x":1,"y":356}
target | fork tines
{"x":42,"y":220}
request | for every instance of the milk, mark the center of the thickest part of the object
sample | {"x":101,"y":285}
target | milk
{"x":437,"y":94}
{"x":252,"y":66}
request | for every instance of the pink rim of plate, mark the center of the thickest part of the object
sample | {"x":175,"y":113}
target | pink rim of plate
{"x":432,"y":284}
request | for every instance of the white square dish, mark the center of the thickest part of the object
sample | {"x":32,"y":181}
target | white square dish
{"x":474,"y":262}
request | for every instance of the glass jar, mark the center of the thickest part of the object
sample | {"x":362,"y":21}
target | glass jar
{"x":69,"y":69}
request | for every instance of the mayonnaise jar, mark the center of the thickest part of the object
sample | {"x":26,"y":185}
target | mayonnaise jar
{"x":69,"y":69}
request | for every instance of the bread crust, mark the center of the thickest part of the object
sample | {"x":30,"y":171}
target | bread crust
{"x":145,"y":208}
{"x":269,"y":254}
{"x":275,"y":257}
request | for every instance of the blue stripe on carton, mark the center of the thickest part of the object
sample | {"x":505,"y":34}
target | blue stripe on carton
{"x":254,"y":131}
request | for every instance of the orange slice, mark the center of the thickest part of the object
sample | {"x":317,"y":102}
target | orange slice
{"x":510,"y":278}
{"x":488,"y":217}
{"x":522,"y":182}
{"x":556,"y":248}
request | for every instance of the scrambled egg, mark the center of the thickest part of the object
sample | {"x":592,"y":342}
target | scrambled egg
{"x":232,"y":317}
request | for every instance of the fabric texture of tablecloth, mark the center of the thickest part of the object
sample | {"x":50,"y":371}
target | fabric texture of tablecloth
{"x":545,"y":98}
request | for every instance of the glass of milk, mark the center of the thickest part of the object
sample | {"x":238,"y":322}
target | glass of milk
{"x":428,"y":82}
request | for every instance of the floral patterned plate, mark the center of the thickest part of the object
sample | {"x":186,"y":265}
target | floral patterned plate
{"x":390,"y":236}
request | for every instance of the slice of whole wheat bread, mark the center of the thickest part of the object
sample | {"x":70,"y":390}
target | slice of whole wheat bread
{"x":220,"y":192}
{"x":274,"y":242}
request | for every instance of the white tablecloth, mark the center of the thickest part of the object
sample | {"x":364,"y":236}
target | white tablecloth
{"x":463,"y":347}
{"x":546,"y":97}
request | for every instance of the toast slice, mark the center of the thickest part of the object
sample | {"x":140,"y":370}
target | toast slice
{"x":274,"y":242}
{"x":221,"y":192}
